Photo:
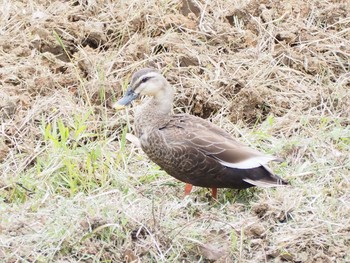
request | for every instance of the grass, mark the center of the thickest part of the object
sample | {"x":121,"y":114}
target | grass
{"x":72,"y":189}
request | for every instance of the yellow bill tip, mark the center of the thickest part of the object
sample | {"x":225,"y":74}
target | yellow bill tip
{"x":118,"y":106}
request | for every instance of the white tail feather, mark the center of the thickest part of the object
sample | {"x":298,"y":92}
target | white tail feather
{"x":263,"y":183}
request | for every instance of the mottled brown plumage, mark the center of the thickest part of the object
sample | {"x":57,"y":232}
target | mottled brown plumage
{"x":189,"y":148}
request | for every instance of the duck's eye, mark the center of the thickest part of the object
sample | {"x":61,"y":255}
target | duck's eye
{"x":143,"y":80}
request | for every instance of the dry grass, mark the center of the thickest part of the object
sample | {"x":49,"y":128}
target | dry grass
{"x":274,"y":74}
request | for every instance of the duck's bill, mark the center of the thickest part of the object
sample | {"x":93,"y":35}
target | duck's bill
{"x":129,"y":96}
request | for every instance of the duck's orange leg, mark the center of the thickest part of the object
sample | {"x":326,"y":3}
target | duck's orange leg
{"x":214,"y":193}
{"x":188,"y":189}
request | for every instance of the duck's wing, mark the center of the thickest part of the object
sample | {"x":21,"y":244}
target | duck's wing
{"x":202,"y":138}
{"x":194,"y":132}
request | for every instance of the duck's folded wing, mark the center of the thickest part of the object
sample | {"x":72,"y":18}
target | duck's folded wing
{"x":229,"y":153}
{"x":209,"y":139}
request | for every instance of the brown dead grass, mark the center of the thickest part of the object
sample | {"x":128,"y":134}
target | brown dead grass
{"x":277,"y":72}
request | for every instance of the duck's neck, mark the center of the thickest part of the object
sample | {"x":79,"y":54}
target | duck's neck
{"x":154,"y":110}
{"x":162,"y":103}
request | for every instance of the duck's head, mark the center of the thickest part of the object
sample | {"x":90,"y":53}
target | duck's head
{"x":146,"y":81}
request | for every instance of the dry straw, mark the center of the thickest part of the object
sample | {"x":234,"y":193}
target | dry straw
{"x":273,"y":74}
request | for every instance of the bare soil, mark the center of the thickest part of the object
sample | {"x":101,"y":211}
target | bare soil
{"x":237,"y":63}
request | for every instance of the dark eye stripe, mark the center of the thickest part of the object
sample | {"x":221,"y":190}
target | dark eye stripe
{"x":143,"y":80}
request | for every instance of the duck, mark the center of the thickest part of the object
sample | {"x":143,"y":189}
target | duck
{"x":189,"y":148}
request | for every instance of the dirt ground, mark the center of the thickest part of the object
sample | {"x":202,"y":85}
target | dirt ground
{"x":275,"y":70}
